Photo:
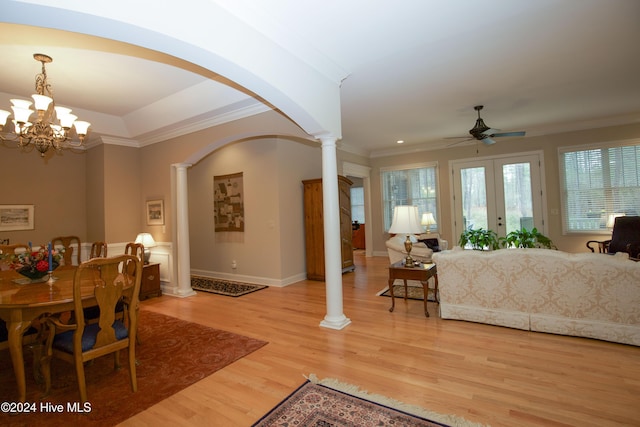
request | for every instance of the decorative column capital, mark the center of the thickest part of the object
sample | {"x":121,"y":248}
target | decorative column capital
{"x":182,"y":165}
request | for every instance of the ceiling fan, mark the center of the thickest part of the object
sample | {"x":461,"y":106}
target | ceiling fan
{"x":484,"y":133}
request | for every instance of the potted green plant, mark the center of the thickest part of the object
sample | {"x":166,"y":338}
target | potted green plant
{"x":479,"y":239}
{"x":526,"y":239}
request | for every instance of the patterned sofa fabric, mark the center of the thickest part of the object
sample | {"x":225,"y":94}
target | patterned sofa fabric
{"x":586,"y":294}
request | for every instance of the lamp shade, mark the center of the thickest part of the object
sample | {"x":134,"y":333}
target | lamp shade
{"x":405,"y":220}
{"x":4,"y":114}
{"x":41,"y":102}
{"x":81,"y":126}
{"x":428,"y":219}
{"x":146,"y":239}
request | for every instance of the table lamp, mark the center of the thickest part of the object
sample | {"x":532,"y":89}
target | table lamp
{"x":405,"y":221}
{"x":147,"y":241}
{"x":428,"y":220}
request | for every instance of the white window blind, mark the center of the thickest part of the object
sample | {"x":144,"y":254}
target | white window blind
{"x":597,"y":183}
{"x":410,"y":185}
{"x":357,"y":204}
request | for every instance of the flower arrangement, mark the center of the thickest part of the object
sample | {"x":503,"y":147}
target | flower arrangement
{"x":34,"y":264}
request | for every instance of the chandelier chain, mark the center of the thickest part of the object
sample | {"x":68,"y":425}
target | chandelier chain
{"x":42,"y":85}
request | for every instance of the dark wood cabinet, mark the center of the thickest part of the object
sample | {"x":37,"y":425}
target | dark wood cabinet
{"x":358,"y":236}
{"x":314,"y":226}
{"x":150,"y":285}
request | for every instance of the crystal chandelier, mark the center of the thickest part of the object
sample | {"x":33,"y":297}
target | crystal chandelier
{"x":52,"y":127}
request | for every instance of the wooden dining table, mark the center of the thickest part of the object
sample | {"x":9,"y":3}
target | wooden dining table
{"x":20,"y":304}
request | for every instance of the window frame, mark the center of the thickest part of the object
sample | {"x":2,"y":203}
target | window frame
{"x":562,"y":181}
{"x":407,"y":167}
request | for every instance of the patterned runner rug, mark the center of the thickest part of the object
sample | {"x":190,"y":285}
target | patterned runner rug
{"x":413,"y":292}
{"x":223,"y":287}
{"x":332,"y":403}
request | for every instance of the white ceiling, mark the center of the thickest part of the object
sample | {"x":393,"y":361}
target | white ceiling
{"x":415,"y":70}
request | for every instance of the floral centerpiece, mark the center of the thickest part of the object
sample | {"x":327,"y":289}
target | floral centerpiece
{"x":34,"y":264}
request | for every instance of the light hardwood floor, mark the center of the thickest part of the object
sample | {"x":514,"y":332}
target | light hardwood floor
{"x":487,"y":374}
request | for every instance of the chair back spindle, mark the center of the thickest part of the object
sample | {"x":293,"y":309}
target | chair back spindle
{"x":69,"y":244}
{"x":136,"y":249}
{"x":98,"y":250}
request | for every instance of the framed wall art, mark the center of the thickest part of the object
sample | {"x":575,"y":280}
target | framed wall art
{"x":16,"y":217}
{"x":155,"y":212}
{"x":228,"y":202}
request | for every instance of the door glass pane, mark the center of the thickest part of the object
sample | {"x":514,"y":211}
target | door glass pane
{"x":474,"y":198}
{"x":518,"y":200}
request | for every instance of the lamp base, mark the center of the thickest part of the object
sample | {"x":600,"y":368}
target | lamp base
{"x":408,"y":261}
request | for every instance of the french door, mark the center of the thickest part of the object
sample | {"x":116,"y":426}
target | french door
{"x":499,"y":193}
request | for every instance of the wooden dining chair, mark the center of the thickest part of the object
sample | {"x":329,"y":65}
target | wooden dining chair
{"x":7,"y":252}
{"x":136,"y":249}
{"x":66,"y":242}
{"x":98,"y":250}
{"x":112,"y":280}
{"x":92,"y":313}
{"x":14,"y":249}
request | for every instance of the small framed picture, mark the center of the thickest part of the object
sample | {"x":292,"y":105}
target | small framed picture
{"x":155,"y":212}
{"x":16,"y":217}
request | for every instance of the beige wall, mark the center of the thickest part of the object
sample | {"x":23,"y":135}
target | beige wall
{"x":55,"y":186}
{"x":157,"y":159}
{"x":95,"y":189}
{"x":272,"y":245}
{"x":123,"y":209}
{"x":270,"y":166}
{"x":548,"y":144}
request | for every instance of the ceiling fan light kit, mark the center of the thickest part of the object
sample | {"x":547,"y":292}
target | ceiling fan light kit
{"x":44,"y":133}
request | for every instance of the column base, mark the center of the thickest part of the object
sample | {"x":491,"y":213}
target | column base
{"x":336,"y":324}
{"x":177,"y":292}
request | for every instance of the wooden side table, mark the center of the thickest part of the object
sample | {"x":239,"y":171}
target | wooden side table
{"x":150,"y":285}
{"x":422,"y":273}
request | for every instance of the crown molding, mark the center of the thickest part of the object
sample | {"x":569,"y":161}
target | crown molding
{"x":187,"y":127}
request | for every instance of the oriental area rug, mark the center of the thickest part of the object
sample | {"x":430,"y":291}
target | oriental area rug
{"x":413,"y":292}
{"x":329,"y":402}
{"x":223,"y":287}
{"x":173,"y":355}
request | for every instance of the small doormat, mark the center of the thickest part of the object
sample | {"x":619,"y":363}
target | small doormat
{"x":223,"y":287}
{"x":329,"y":402}
{"x":413,"y":292}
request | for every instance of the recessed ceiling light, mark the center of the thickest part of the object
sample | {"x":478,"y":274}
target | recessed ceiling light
{"x":400,"y":141}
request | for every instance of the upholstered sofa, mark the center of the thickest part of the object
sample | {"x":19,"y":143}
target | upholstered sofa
{"x":582,"y":294}
{"x":419,"y":250}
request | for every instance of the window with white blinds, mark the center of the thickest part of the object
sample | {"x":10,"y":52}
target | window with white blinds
{"x":409,"y":185}
{"x":357,"y":204}
{"x":599,"y":183}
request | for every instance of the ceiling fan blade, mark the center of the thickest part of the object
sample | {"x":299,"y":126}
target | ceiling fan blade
{"x":457,"y":137}
{"x":519,"y":133}
{"x":459,"y":142}
{"x":484,"y":133}
{"x":490,"y":132}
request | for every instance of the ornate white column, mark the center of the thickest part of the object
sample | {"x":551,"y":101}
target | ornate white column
{"x":335,"y":318}
{"x":182,"y":231}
